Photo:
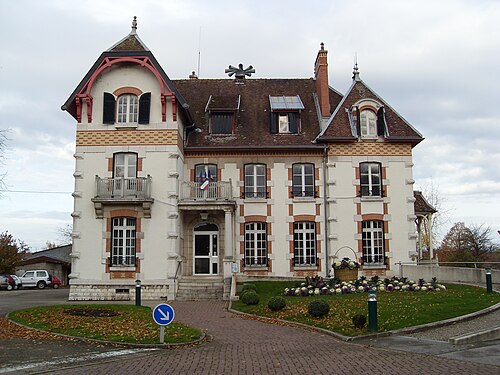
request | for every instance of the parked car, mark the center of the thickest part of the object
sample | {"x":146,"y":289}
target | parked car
{"x":36,"y":278}
{"x":55,"y":283}
{"x":4,"y":283}
{"x":18,"y":281}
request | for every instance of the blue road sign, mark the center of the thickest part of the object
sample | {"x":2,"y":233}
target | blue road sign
{"x":163,"y":314}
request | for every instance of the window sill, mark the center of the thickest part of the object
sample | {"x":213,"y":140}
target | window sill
{"x":121,"y":268}
{"x":126,"y":126}
{"x":369,"y":138}
{"x":374,"y":266}
{"x":304,"y":199}
{"x":254,"y":200}
{"x":372,"y":199}
{"x":255,"y":268}
{"x":305,"y":268}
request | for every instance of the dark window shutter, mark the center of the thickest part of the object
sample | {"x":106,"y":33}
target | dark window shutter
{"x":357,"y":120}
{"x":293,"y":122}
{"x":144,"y":108}
{"x":273,"y":122}
{"x":108,"y":109}
{"x":381,"y":121}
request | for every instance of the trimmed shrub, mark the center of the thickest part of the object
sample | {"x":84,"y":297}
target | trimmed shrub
{"x":250,"y":297}
{"x":276,"y":304}
{"x":318,"y":309}
{"x":359,"y":321}
{"x":249,"y":287}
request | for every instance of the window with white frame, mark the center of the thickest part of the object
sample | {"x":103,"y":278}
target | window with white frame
{"x":303,"y":180}
{"x":368,"y":123}
{"x":255,"y":181}
{"x":373,"y":242}
{"x":370,"y":179}
{"x":123,"y":242}
{"x":304,"y":243}
{"x":128,"y":109}
{"x":255,"y":244}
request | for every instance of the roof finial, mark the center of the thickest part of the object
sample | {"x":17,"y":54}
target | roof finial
{"x":322,"y":45}
{"x":355,"y":71}
{"x":134,"y":25}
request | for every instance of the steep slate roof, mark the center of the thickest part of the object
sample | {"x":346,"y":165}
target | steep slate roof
{"x":339,"y":128}
{"x":253,"y":118}
{"x":421,"y":205}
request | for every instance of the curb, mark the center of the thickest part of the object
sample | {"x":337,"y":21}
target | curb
{"x":469,"y":338}
{"x":413,"y":329}
{"x":203,"y":337}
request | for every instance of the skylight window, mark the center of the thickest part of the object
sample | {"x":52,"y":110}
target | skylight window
{"x":285,"y":103}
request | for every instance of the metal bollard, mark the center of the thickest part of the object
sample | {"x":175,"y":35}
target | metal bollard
{"x":138,"y":292}
{"x":489,"y":284}
{"x":372,"y":311}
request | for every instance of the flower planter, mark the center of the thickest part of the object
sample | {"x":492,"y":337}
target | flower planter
{"x":346,"y":274}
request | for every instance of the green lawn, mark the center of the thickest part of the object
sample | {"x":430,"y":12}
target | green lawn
{"x":395,"y":309}
{"x":132,"y":324}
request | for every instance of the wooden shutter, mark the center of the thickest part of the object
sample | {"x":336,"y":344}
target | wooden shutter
{"x":381,"y":121}
{"x":293,"y":122}
{"x":108,"y":109}
{"x":273,"y":126}
{"x":144,"y":108}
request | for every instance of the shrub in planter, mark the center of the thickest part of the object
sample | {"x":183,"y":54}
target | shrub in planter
{"x":249,"y":287}
{"x":359,"y":321}
{"x":318,"y":309}
{"x":250,"y":297}
{"x":276,"y":304}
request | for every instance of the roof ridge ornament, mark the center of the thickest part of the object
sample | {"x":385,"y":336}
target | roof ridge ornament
{"x":134,"y":26}
{"x":355,"y":71}
{"x":239,"y":72}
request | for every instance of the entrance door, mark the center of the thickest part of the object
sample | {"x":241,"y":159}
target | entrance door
{"x":206,"y":250}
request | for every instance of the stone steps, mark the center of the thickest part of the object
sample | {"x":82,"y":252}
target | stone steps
{"x":200,"y":288}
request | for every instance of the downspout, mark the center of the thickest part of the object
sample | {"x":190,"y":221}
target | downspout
{"x":325,"y":202}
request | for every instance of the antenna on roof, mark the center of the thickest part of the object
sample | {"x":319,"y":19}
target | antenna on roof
{"x":199,"y":52}
{"x":355,"y":71}
{"x":134,"y":26}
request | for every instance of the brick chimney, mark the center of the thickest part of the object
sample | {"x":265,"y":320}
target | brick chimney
{"x":321,"y":78}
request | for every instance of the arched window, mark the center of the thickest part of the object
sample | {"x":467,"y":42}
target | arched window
{"x":128,"y":109}
{"x":368,"y":123}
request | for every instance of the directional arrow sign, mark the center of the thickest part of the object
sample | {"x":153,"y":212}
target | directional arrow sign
{"x":163,"y":314}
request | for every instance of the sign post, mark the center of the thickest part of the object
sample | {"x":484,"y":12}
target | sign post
{"x":163,"y":315}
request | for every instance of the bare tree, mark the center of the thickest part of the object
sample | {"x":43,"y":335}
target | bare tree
{"x":65,"y":233}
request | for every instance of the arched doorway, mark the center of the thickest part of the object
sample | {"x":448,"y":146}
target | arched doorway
{"x":206,"y":249}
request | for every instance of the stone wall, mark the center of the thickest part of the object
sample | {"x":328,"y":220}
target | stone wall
{"x":88,"y":292}
{"x":448,"y":274}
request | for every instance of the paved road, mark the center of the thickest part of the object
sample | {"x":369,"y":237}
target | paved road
{"x":244,"y":346}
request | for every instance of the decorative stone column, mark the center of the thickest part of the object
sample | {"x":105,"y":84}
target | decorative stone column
{"x":228,"y":251}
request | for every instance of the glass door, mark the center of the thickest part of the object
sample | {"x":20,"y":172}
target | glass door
{"x":206,"y":252}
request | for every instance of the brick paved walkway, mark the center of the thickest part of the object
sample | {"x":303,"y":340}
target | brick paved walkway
{"x":242,"y":346}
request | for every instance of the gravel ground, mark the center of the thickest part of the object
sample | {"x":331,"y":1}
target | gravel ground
{"x":480,"y":323}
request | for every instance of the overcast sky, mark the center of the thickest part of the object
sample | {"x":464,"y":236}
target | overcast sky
{"x":436,"y":62}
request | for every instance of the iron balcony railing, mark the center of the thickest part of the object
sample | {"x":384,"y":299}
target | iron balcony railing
{"x":118,"y":188}
{"x":220,"y":190}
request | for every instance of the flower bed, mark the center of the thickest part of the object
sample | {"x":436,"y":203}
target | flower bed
{"x":363,"y":285}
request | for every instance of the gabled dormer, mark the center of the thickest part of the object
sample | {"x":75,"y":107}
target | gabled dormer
{"x":126,"y":87}
{"x":362,"y":115}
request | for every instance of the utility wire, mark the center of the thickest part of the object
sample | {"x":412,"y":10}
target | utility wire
{"x":35,"y":192}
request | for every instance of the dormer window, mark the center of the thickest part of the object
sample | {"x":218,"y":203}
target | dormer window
{"x":128,"y":109}
{"x":221,"y":122}
{"x":368,"y":123}
{"x":285,"y":114}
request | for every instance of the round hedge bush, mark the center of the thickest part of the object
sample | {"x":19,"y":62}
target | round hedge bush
{"x":318,"y":309}
{"x":247,"y":287}
{"x":276,"y":304}
{"x":250,"y":297}
{"x":359,"y":321}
